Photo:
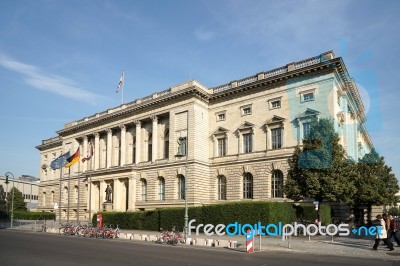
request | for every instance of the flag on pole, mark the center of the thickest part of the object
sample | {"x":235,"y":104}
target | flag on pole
{"x":73,"y":159}
{"x":89,"y":154}
{"x":60,"y":161}
{"x":120,"y":82}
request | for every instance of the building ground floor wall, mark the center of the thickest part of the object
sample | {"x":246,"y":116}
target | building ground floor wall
{"x":146,"y":187}
{"x":152,"y":186}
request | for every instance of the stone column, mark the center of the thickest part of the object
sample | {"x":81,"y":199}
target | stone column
{"x":102,"y":194}
{"x":96,"y":151}
{"x":109,"y":148}
{"x":95,"y":197}
{"x":123,"y":145}
{"x":132,"y":194}
{"x":116,"y":195}
{"x":154,"y":155}
{"x":138,"y":141}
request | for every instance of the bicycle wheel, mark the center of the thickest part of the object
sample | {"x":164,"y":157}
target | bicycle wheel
{"x":61,"y":230}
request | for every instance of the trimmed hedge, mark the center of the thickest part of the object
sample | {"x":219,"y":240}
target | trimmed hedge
{"x":243,"y":212}
{"x":25,"y":215}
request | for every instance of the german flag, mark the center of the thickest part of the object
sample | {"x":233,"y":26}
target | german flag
{"x":73,"y":159}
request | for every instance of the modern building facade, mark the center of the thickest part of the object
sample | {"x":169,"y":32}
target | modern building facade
{"x":29,"y":187}
{"x":227,"y":143}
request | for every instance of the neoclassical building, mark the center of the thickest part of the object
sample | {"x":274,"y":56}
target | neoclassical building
{"x":227,"y":143}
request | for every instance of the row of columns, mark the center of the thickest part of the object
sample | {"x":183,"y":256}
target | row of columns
{"x":122,"y":154}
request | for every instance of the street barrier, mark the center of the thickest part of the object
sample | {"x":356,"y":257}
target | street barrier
{"x":249,"y":242}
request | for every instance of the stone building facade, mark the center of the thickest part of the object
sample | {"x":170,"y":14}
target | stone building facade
{"x":227,"y":143}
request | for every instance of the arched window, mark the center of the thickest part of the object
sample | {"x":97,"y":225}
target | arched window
{"x":247,"y":186}
{"x":143,"y":189}
{"x":161,"y":188}
{"x":181,"y":187}
{"x":277,"y":184}
{"x":221,"y":187}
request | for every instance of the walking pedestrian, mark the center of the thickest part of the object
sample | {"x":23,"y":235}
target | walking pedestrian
{"x":381,"y":234}
{"x":392,"y":231}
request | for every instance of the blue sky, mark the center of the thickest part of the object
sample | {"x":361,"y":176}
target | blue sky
{"x":61,"y":60}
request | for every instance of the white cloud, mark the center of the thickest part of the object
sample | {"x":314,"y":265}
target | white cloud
{"x":34,"y":77}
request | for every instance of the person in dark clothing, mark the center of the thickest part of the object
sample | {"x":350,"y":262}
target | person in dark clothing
{"x":381,"y":234}
{"x":392,"y":231}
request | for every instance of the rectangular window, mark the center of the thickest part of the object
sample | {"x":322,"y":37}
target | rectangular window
{"x":222,"y":147}
{"x":306,"y":129}
{"x":248,"y":143}
{"x":247,"y":111}
{"x":221,"y":117}
{"x":276,"y":104}
{"x":276,"y":138}
{"x":308,"y":96}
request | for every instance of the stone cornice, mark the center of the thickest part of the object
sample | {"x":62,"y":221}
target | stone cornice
{"x":130,"y":108}
{"x":50,"y":143}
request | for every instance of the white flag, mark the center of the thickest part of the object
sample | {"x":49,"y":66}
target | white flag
{"x":120,"y":82}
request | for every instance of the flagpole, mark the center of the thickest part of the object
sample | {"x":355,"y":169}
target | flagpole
{"x":69,"y":188}
{"x":123,"y":86}
{"x":59,"y":200}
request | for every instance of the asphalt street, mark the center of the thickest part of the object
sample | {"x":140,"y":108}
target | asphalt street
{"x":29,"y":248}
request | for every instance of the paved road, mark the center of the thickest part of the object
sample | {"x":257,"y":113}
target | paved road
{"x":29,"y":248}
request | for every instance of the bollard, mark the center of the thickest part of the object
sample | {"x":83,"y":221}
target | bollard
{"x":232,"y":244}
{"x":249,"y":241}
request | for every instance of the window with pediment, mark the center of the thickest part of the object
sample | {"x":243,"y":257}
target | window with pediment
{"x":246,"y":135}
{"x":220,"y":141}
{"x":304,"y":123}
{"x":275,"y":132}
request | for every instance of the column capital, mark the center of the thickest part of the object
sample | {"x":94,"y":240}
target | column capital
{"x":137,"y":122}
{"x":122,"y":127}
{"x":109,"y":130}
{"x":97,"y":135}
{"x":154,"y":118}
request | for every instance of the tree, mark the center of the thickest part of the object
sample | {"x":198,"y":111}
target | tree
{"x":319,"y":169}
{"x":18,"y":202}
{"x":375,"y":182}
{"x":3,"y":202}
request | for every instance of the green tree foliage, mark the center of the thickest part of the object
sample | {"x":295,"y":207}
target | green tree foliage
{"x":375,"y":182}
{"x":319,"y":169}
{"x":3,"y":202}
{"x":19,"y":203}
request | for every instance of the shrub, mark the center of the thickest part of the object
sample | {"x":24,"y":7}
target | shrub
{"x":243,"y":212}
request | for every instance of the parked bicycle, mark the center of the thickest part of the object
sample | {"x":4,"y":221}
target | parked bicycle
{"x":170,"y":237}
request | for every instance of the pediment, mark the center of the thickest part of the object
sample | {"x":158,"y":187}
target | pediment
{"x":245,"y":125}
{"x":308,"y":113}
{"x":220,"y":130}
{"x":275,"y":120}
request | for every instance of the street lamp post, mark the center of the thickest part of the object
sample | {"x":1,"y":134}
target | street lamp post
{"x":180,"y":154}
{"x":186,"y":217}
{"x":12,"y":198}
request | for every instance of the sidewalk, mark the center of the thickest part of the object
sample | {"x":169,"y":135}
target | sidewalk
{"x":323,"y":245}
